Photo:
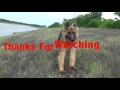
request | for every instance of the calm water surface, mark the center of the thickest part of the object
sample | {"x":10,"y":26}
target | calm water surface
{"x":8,"y":29}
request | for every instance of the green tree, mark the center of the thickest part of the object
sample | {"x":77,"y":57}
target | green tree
{"x":56,"y":24}
{"x":84,"y":20}
{"x":117,"y":24}
{"x":88,"y":20}
{"x":95,"y":23}
{"x":96,"y":15}
{"x":108,"y":23}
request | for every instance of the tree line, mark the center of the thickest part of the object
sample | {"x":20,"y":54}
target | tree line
{"x":93,"y":20}
{"x":15,"y":22}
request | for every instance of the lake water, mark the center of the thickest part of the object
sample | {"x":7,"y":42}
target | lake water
{"x":8,"y":29}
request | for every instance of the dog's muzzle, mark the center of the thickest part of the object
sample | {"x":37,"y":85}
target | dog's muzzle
{"x":70,"y":37}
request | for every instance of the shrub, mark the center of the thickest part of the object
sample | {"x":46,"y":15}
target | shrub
{"x":56,"y":24}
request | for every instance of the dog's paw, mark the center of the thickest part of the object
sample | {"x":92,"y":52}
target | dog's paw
{"x":74,"y":69}
{"x":62,"y":72}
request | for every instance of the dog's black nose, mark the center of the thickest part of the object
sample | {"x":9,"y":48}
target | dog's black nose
{"x":72,"y":40}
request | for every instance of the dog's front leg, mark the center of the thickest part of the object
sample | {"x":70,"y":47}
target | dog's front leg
{"x":61,"y":58}
{"x":72,"y":57}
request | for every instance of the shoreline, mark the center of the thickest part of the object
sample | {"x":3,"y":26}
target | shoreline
{"x":20,"y":23}
{"x":11,"y":29}
{"x":17,"y":33}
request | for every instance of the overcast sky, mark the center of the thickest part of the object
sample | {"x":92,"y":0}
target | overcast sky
{"x":46,"y":18}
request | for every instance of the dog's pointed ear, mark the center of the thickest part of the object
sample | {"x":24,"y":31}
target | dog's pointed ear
{"x":66,"y":24}
{"x":75,"y":24}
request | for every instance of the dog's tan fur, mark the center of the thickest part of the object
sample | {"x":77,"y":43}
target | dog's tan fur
{"x":67,"y":28}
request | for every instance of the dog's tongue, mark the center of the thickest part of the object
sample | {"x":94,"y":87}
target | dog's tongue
{"x":72,"y":39}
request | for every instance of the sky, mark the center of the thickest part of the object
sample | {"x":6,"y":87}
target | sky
{"x":46,"y":18}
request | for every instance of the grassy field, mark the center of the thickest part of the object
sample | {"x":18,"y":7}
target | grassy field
{"x":104,"y":63}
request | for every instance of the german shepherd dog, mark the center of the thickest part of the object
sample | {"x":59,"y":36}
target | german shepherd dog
{"x":69,"y":33}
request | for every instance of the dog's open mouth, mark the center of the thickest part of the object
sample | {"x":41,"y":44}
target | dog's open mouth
{"x":70,"y":38}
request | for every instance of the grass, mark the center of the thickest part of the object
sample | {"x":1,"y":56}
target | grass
{"x":104,"y":63}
